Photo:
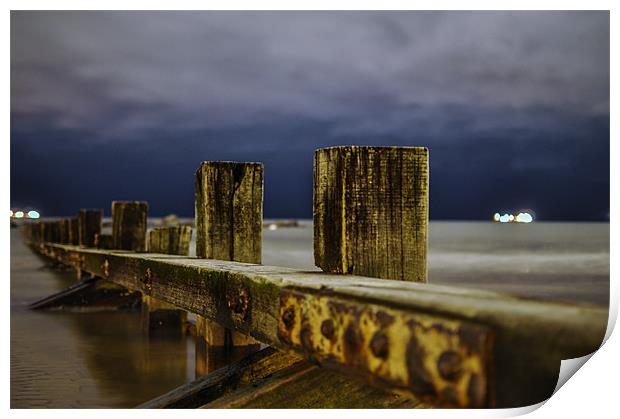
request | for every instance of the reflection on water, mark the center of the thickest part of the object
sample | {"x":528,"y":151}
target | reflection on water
{"x":84,"y":359}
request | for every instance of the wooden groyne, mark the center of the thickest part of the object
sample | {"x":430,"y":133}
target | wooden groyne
{"x":431,"y":345}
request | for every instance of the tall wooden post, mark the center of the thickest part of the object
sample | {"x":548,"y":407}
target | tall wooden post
{"x":129,"y":225}
{"x":371,"y":211}
{"x":229,"y":219}
{"x":160,"y":318}
{"x":89,"y":224}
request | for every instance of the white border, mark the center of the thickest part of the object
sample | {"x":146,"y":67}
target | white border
{"x":592,"y":393}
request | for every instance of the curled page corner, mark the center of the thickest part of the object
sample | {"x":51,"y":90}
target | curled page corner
{"x":568,"y":368}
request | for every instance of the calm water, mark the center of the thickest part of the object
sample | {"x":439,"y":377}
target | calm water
{"x":103,"y":360}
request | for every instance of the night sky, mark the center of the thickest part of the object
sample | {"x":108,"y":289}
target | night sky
{"x":514,"y":106}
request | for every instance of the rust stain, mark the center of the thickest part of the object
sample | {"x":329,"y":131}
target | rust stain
{"x":239,"y":303}
{"x":442,"y":361}
{"x":147,"y":281}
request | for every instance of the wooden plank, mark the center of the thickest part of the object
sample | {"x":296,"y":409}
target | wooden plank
{"x":528,"y":338}
{"x":371,"y":211}
{"x":129,"y":225}
{"x":306,"y":386}
{"x":229,"y":211}
{"x":214,"y":385}
{"x":89,"y":224}
{"x":90,"y":295}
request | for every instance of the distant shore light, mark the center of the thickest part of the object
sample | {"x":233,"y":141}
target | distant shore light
{"x":505,"y":218}
{"x":524,"y":217}
{"x":19,"y":214}
{"x":33,"y":214}
{"x":496,"y":216}
{"x":11,"y":213}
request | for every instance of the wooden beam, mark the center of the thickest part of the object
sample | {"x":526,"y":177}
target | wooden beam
{"x":306,"y":386}
{"x":91,"y":295}
{"x":371,"y":211}
{"x":223,"y":380}
{"x":436,"y":343}
{"x":129,"y":225}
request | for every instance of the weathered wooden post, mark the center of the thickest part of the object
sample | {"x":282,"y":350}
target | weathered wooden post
{"x":74,"y":232}
{"x":54,"y":232}
{"x":371,"y":211}
{"x":229,"y":219}
{"x":65,"y":227}
{"x":170,"y":240}
{"x":160,"y":318}
{"x":89,"y":224}
{"x":129,"y":225}
{"x":103,"y":241}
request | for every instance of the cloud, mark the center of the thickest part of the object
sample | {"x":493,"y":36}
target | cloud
{"x":125,"y":72}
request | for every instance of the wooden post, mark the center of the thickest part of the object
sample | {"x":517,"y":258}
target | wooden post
{"x":160,"y":318}
{"x":54,"y":232}
{"x":371,"y":211}
{"x":74,"y":231}
{"x":229,"y":220}
{"x":229,"y":211}
{"x":103,"y":241}
{"x":129,"y":225}
{"x":65,"y":231}
{"x":170,"y":240}
{"x":89,"y":224}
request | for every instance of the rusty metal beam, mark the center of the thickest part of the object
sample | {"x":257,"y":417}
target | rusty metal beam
{"x":443,"y":345}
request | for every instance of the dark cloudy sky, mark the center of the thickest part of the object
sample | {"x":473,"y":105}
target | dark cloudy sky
{"x":514,"y":106}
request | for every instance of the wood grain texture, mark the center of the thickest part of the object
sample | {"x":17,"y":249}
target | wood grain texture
{"x":229,"y":211}
{"x":129,"y":225}
{"x":89,"y":224}
{"x":531,"y":337}
{"x":170,"y":240}
{"x":371,"y":211}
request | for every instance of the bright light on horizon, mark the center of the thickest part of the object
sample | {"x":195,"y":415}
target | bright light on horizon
{"x":522,"y":217}
{"x":19,"y":214}
{"x":33,"y":214}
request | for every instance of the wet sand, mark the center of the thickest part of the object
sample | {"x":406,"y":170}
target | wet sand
{"x":103,"y":360}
